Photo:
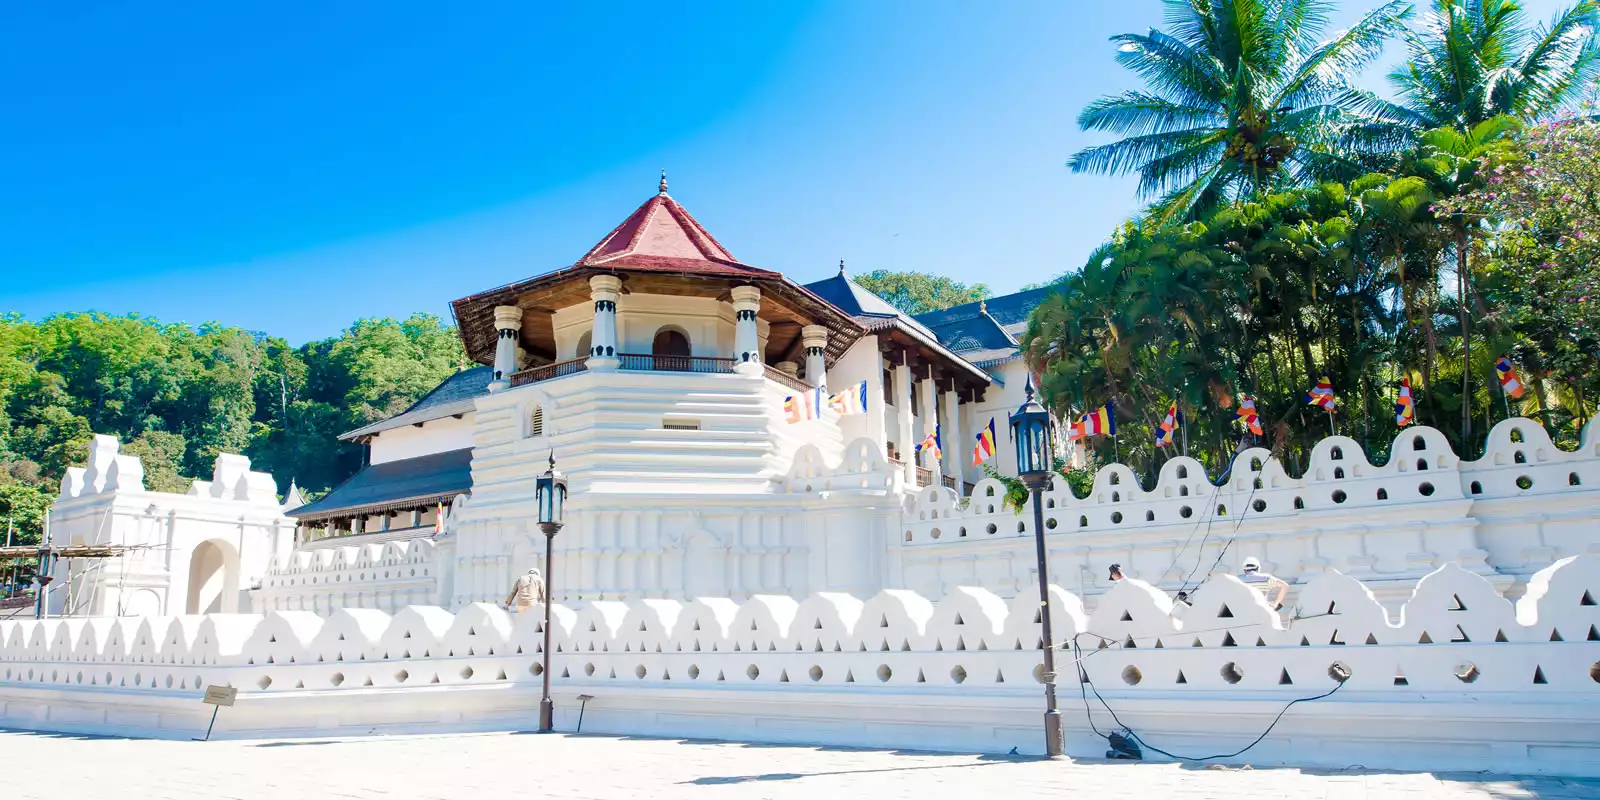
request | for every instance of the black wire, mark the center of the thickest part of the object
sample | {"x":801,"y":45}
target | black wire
{"x":1085,"y":685}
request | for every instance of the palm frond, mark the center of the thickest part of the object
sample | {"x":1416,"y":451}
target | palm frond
{"x":1139,"y":113}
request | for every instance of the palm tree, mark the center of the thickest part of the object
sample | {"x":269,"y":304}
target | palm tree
{"x":1474,"y":60}
{"x":1241,"y":97}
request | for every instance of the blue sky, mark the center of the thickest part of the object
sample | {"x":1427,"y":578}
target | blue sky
{"x":292,"y":166}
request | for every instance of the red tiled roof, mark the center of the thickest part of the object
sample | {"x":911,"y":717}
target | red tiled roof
{"x":660,"y":236}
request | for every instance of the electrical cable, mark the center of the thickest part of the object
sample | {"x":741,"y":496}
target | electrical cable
{"x":1085,"y":685}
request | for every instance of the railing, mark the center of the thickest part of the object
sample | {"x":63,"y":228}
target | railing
{"x":924,"y":475}
{"x":548,"y":371}
{"x":947,"y":481}
{"x":657,"y":363}
{"x":785,"y":378}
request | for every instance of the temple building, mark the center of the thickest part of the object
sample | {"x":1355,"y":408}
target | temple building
{"x":656,"y":369}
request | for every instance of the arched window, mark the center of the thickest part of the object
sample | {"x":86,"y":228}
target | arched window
{"x":671,"y":350}
{"x":584,"y":343}
{"x":536,"y":422}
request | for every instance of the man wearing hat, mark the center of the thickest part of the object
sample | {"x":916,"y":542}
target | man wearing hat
{"x":1263,"y":582}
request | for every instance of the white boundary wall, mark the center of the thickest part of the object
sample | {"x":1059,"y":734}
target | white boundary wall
{"x":1464,"y":679}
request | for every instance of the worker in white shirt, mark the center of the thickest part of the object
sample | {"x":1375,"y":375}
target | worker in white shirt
{"x":526,"y":593}
{"x":1263,"y":582}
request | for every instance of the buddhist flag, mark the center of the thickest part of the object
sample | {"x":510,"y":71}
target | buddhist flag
{"x":1075,"y":431}
{"x":1508,"y":378}
{"x":1322,"y":395}
{"x":984,"y":449}
{"x":802,"y":407}
{"x":1246,"y":413}
{"x":931,"y":442}
{"x":438,"y":519}
{"x":1169,"y":425}
{"x":853,"y":400}
{"x":1405,"y":409}
{"x":1100,"y":422}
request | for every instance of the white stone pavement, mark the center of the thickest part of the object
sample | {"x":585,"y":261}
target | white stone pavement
{"x":535,"y":767}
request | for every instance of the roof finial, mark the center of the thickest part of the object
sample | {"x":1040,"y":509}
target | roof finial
{"x":841,"y":268}
{"x":663,"y":180}
{"x":983,"y":306}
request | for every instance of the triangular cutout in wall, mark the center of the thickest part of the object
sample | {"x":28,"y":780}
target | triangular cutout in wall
{"x":1538,"y":675}
{"x":1182,"y":679}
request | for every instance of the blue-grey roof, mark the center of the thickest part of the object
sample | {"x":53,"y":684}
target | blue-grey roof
{"x":1010,"y":311}
{"x":420,"y":481}
{"x":453,"y":396}
{"x":870,"y":310}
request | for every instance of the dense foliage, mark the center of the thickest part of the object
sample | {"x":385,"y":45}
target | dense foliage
{"x":918,"y":292}
{"x":1472,"y":237}
{"x":179,"y":395}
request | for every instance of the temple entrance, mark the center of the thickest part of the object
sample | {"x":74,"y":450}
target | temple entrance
{"x":213,"y":578}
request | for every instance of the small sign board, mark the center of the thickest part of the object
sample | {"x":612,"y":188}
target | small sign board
{"x":220,"y":695}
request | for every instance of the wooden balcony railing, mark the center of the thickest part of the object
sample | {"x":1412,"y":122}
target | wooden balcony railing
{"x":548,"y":371}
{"x":657,"y":363}
{"x":785,"y":378}
{"x":924,"y":475}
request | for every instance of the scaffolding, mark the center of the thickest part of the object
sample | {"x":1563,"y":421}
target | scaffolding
{"x":45,"y":559}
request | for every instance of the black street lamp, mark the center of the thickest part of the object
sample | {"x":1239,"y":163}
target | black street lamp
{"x":552,"y":494}
{"x":1031,"y":434}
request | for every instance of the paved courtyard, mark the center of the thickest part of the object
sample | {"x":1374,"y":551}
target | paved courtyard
{"x":531,"y":766}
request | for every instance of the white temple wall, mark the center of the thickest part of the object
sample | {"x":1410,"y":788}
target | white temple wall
{"x":1462,"y":679}
{"x":862,"y":362}
{"x":411,"y":441}
{"x":1386,"y":525}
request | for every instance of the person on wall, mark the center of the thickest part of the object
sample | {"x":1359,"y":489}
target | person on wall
{"x":1116,"y":573}
{"x":1263,"y":582}
{"x":526,"y":593}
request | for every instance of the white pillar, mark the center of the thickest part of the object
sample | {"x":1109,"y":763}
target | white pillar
{"x":746,"y":339}
{"x":903,"y":410}
{"x":814,"y":338}
{"x":958,"y":451}
{"x":877,"y":417}
{"x":930,"y":418}
{"x":507,"y":323}
{"x":604,"y":289}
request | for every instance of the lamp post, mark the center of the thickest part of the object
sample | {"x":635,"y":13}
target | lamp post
{"x":552,"y":494}
{"x":1031,"y":434}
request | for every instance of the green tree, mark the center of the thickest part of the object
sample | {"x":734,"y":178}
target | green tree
{"x":1474,"y":60}
{"x":1241,"y":97}
{"x":919,"y":292}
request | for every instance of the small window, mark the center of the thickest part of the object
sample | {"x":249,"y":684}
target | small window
{"x":1183,"y":472}
{"x":888,"y":388}
{"x":1476,"y":488}
{"x":1419,"y":443}
{"x":536,"y":422}
{"x":1337,"y":454}
{"x":680,"y":424}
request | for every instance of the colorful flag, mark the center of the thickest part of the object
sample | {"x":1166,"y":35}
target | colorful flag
{"x":1246,"y":413}
{"x":1169,"y":426}
{"x":931,"y":442}
{"x":852,"y":400}
{"x":984,"y":449}
{"x":802,"y":407}
{"x":1075,"y":431}
{"x":1100,"y":422}
{"x":1508,"y":377}
{"x":1322,"y":395}
{"x":438,"y":519}
{"x":1405,"y":409}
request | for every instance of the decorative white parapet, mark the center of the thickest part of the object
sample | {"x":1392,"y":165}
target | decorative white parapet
{"x":1519,"y":508}
{"x":1461,"y":679}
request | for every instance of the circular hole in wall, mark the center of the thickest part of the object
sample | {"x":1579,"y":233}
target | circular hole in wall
{"x":1426,"y":489}
{"x":1038,"y":673}
{"x":588,"y":669}
{"x":936,"y":533}
{"x":639,"y":672}
{"x":1259,"y":506}
{"x":694,"y":672}
{"x":884,"y":673}
{"x":752,"y":671}
{"x":1231,"y":672}
{"x":1524,"y":482}
{"x":1116,"y":517}
{"x":264,"y":683}
{"x":1338,"y":497}
{"x":337,"y":679}
{"x":991,"y":529}
{"x":536,"y":669}
{"x":1131,"y":675}
{"x":1186,"y":512}
{"x":1050,"y":523}
{"x":402,"y":676}
{"x":1339,"y":671}
{"x":1594,"y":672}
{"x":169,"y":680}
{"x":816,"y":672}
{"x":958,"y":674}
{"x":1467,"y":672}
